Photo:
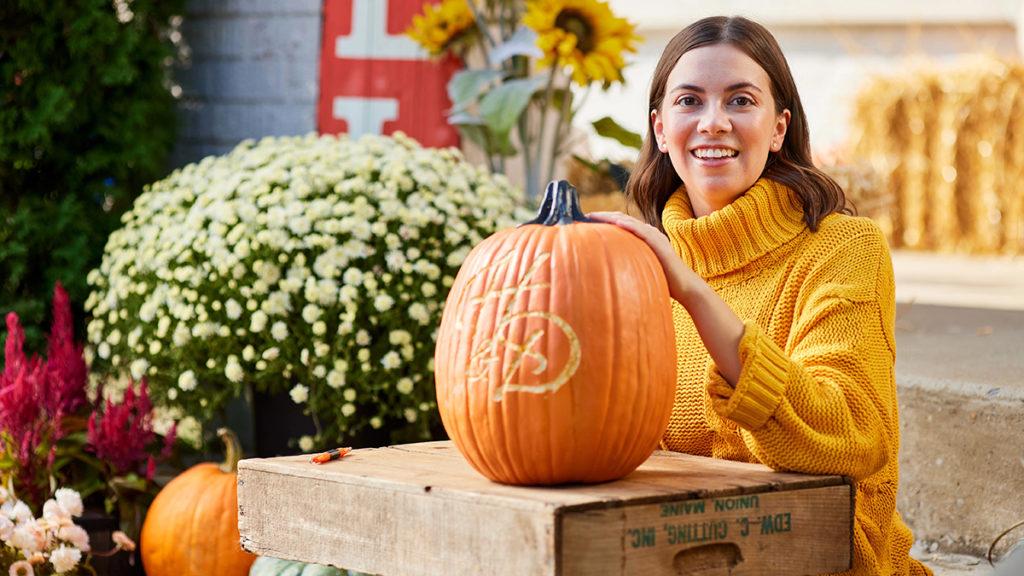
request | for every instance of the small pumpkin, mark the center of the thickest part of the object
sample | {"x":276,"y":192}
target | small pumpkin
{"x":555,"y":359}
{"x":268,"y":566}
{"x":191,"y":528}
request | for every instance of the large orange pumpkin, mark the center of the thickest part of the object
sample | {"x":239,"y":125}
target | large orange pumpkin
{"x":191,"y":528}
{"x":555,"y":359}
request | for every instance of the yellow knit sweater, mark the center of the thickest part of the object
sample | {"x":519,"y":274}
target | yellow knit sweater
{"x":817,"y":391}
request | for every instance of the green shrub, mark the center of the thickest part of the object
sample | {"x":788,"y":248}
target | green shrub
{"x":86,"y":118}
{"x":314,"y":265}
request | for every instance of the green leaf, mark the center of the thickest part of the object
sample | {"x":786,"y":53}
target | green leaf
{"x":522,"y":43}
{"x":611,"y":129}
{"x":466,"y":85}
{"x":501,"y":107}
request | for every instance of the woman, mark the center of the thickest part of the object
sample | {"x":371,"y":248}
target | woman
{"x":784,"y":322}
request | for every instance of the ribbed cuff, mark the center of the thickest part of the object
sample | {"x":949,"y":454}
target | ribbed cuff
{"x":761,"y":384}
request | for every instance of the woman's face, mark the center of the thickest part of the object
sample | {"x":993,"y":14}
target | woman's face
{"x":717,"y":123}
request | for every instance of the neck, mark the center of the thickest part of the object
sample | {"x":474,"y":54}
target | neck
{"x":703,"y":204}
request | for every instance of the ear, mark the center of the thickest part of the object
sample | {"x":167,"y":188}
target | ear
{"x":658,"y":128}
{"x":781,"y":125}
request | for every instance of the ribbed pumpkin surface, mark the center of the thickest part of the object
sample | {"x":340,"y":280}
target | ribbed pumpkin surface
{"x":555,"y":359}
{"x":191,"y":528}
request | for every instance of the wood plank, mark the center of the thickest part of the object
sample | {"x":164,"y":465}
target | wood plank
{"x":793,"y":532}
{"x":420,"y":509}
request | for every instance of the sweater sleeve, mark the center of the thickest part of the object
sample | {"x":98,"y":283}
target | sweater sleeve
{"x":826,"y":402}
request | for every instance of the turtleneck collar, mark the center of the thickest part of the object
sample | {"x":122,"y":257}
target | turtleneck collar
{"x":765,"y":217}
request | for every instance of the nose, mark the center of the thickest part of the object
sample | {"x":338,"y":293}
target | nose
{"x":714,"y":120}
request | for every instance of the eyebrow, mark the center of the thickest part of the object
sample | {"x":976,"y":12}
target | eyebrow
{"x":730,"y":88}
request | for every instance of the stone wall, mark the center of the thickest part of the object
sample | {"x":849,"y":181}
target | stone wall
{"x":253,"y":71}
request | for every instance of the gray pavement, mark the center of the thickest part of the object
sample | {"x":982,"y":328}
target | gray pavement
{"x":960,"y":373}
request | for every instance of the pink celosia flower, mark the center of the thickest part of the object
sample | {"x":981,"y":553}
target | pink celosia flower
{"x":64,"y":360}
{"x":122,"y":541}
{"x":122,"y":434}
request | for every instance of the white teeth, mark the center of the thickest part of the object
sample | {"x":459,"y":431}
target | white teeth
{"x":714,"y":153}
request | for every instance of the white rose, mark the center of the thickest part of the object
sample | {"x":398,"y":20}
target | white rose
{"x":335,"y":379}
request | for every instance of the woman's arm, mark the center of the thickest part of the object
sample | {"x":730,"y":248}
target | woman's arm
{"x":717,"y":324}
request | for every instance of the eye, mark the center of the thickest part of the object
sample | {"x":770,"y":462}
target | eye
{"x":742,"y":101}
{"x":688,"y":100}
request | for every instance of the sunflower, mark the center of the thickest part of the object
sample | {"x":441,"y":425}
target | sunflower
{"x":583,"y":35}
{"x":440,"y":26}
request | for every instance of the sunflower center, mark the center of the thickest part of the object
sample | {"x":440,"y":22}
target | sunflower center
{"x":575,"y":23}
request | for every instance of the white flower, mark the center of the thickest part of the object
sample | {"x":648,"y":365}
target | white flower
{"x":74,"y":535}
{"x":428,"y":289}
{"x":233,"y":309}
{"x":17,"y":511}
{"x":363,"y":338}
{"x":391,"y":360}
{"x":6,"y":528}
{"x":352,"y":277}
{"x":70,"y":500}
{"x":404,"y":385}
{"x":21,"y":568}
{"x":306,"y":443}
{"x":271,"y":353}
{"x":399,"y":337}
{"x":65,"y":559}
{"x":410,"y":415}
{"x":249,"y":353}
{"x":187,"y":381}
{"x":376,"y":422}
{"x":311,"y":313}
{"x":348,"y":409}
{"x":28,"y":537}
{"x":419,"y":313}
{"x":233,"y":370}
{"x":279,"y":331}
{"x":363,"y":355}
{"x":103,"y":350}
{"x":138,"y":368}
{"x":55,"y":513}
{"x":319,"y":328}
{"x":349,"y":394}
{"x":321,"y":349}
{"x":299,"y":394}
{"x":383,"y":302}
{"x":258,"y":321}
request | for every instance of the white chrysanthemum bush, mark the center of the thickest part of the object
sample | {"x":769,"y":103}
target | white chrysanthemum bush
{"x":315,"y":265}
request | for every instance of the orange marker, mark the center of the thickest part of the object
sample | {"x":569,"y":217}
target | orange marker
{"x":325,"y":457}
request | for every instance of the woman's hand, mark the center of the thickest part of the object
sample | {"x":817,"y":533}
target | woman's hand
{"x":717,"y":324}
{"x":681,"y":279}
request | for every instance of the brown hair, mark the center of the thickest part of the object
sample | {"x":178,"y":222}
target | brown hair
{"x":654,"y":179}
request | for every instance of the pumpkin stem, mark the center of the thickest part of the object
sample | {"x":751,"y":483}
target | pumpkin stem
{"x":232,"y":450}
{"x":561,"y":206}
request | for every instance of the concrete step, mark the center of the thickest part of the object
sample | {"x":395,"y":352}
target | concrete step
{"x":960,"y":375}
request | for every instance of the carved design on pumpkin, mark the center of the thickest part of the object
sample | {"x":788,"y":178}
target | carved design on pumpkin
{"x":491,"y":349}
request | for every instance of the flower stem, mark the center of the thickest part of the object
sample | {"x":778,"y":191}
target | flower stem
{"x":543,"y":122}
{"x":564,"y":119}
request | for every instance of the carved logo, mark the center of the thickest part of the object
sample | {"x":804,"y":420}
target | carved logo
{"x":499,"y":346}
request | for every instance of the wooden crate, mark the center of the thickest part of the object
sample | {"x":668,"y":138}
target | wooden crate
{"x":419,"y":509}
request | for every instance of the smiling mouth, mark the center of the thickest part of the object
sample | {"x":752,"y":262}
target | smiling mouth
{"x":714,"y":153}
